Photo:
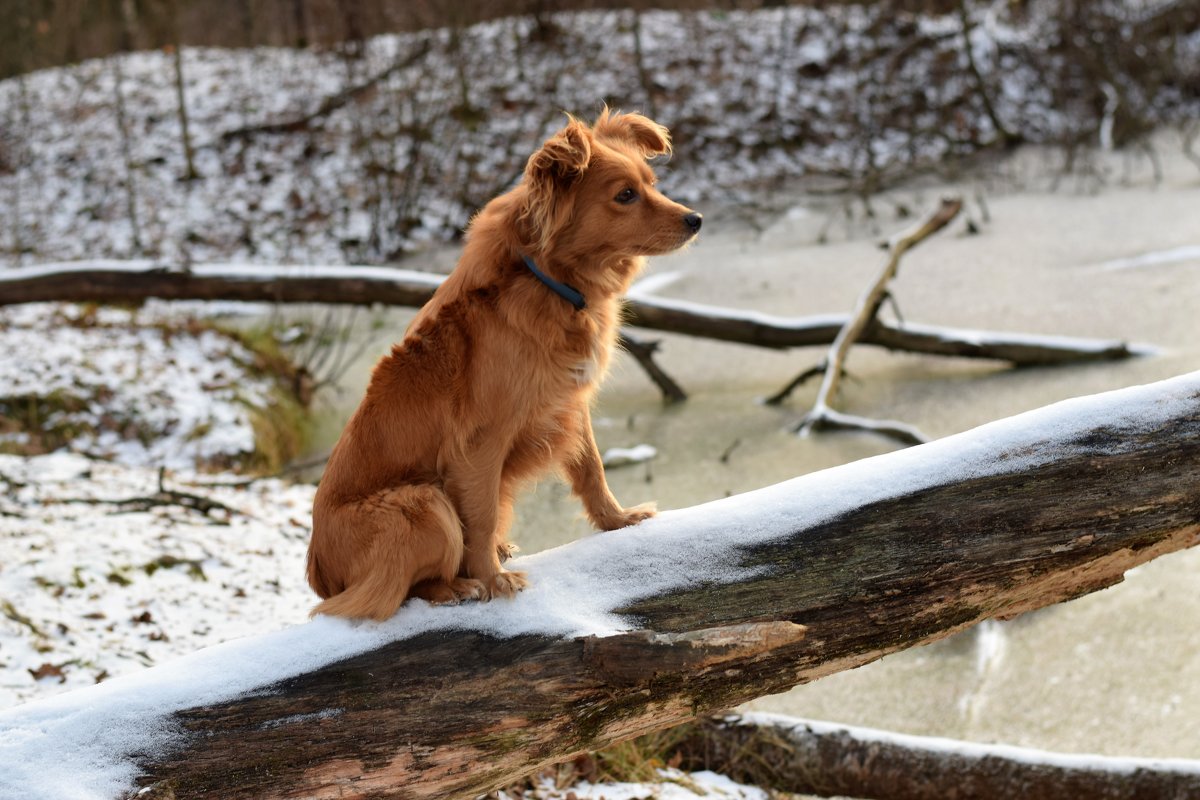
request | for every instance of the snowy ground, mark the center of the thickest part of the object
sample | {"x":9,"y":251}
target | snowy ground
{"x":148,"y":386}
{"x":101,"y":575}
{"x":847,"y":92}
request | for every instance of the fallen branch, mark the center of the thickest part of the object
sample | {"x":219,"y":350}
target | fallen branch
{"x":104,"y":281}
{"x":822,"y":416}
{"x":331,"y":103}
{"x":163,"y":497}
{"x":807,"y":757}
{"x":623,"y":633}
{"x":643,"y":352}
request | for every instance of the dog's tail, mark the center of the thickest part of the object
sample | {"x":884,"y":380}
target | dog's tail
{"x":418,"y":537}
{"x":378,"y":598}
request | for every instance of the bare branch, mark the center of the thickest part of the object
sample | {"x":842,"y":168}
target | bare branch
{"x":863,"y":317}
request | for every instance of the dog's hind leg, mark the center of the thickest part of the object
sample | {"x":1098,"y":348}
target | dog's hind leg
{"x":415,"y":547}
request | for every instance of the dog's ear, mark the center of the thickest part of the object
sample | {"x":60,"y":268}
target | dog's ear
{"x":550,"y":171}
{"x":650,"y":138}
{"x":564,"y":156}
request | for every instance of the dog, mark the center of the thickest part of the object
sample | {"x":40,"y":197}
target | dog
{"x":492,"y":384}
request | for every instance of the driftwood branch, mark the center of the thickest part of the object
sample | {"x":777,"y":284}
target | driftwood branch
{"x":866,"y":310}
{"x":820,"y":758}
{"x":129,"y":282}
{"x":727,"y":602}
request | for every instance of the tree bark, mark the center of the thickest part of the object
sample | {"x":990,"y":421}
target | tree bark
{"x":992,"y":523}
{"x":807,"y":757}
{"x":129,"y":282}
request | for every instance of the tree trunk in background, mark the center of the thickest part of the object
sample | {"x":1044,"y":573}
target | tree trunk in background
{"x":300,"y":18}
{"x":189,"y":171}
{"x":808,"y":757}
{"x":130,"y":282}
{"x":131,"y":210}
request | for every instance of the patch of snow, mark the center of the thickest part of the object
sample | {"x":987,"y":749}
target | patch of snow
{"x":135,"y":390}
{"x":1175,"y":255}
{"x":673,"y":785}
{"x":78,"y":745}
{"x":623,"y":456}
{"x":112,"y":587}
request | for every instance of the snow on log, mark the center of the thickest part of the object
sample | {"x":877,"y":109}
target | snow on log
{"x":626,"y":632}
{"x":132,"y":281}
{"x":821,"y":758}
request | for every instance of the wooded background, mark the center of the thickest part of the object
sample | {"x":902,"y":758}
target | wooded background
{"x":365,"y":149}
{"x":47,"y":33}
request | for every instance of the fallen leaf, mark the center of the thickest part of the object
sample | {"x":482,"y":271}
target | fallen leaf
{"x":48,"y":670}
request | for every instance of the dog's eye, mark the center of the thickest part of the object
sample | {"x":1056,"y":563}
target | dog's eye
{"x":626,"y":196}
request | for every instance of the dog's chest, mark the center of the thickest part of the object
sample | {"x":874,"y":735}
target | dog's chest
{"x":585,"y":371}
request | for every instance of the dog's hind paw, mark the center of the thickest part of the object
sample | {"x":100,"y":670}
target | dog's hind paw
{"x":506,"y":584}
{"x":443,"y":593}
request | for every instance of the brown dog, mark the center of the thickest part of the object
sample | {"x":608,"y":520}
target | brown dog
{"x":491,"y":385}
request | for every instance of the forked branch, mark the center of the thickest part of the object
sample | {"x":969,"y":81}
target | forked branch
{"x":865,"y":311}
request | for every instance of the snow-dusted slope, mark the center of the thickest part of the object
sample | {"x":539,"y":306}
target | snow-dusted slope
{"x":753,"y":98}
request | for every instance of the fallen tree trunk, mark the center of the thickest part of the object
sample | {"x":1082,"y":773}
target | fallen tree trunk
{"x":622,"y":633}
{"x":134,"y":281}
{"x":807,"y":757}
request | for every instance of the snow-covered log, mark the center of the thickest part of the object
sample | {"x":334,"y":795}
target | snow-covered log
{"x":133,"y":281}
{"x":622,"y":633}
{"x":821,"y":758}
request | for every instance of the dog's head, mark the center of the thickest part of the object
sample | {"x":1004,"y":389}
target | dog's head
{"x":590,"y":196}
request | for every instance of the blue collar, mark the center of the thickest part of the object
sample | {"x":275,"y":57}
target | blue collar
{"x":568,"y":293}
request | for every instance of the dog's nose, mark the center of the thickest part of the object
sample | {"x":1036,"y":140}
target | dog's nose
{"x":693,"y":221}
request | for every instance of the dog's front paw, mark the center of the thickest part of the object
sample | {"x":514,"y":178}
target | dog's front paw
{"x":506,"y":550}
{"x":628,"y":516}
{"x":505,"y":584}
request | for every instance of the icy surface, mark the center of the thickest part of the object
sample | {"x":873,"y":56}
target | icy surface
{"x":82,"y":740}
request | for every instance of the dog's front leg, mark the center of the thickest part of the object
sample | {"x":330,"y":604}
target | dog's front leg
{"x":585,"y":470}
{"x":474,"y":488}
